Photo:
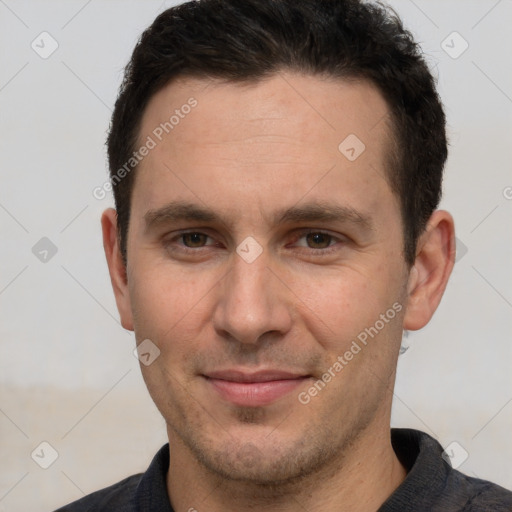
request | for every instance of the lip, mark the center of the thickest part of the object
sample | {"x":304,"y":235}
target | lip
{"x":256,"y":388}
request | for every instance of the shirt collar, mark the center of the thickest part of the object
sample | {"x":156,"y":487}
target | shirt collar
{"x":151,"y":493}
{"x":419,"y":453}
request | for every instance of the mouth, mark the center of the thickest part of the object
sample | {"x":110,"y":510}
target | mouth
{"x":253,"y":389}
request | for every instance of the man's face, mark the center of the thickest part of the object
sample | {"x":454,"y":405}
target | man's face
{"x":323,"y":262}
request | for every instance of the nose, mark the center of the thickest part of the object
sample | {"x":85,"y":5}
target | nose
{"x":253,"y":303}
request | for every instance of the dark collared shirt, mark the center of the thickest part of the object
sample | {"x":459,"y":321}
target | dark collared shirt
{"x":431,"y":485}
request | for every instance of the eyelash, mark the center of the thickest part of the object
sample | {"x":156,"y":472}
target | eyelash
{"x":321,"y":251}
{"x":334,"y":240}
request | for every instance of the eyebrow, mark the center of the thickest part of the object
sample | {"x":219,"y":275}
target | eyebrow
{"x":179,"y":211}
{"x":325,"y":212}
{"x":310,"y":212}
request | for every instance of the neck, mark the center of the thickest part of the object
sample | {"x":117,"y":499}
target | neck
{"x":358,"y":481}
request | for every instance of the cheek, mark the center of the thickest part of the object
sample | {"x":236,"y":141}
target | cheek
{"x":336,"y":305}
{"x":164,"y":300}
{"x":354,"y":315}
{"x":170,"y":313}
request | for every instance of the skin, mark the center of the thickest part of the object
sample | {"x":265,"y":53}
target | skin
{"x":248,"y":152}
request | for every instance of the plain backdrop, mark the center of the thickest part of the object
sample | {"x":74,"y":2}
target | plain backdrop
{"x":68,"y":375}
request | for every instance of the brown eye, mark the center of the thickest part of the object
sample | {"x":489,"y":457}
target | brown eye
{"x":194,"y":239}
{"x":318,"y":240}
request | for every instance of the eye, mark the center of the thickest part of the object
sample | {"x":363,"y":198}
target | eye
{"x":316,"y":240}
{"x":194,"y":240}
{"x":189,"y":242}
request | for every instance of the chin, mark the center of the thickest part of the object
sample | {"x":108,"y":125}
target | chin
{"x":268,"y":464}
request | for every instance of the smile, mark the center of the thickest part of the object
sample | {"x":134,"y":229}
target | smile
{"x":253,"y":390}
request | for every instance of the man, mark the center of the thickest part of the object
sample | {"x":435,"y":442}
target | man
{"x":276,"y":167}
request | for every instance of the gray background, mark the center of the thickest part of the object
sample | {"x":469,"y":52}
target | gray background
{"x":67,"y":372}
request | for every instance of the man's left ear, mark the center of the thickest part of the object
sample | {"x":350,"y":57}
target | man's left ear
{"x":435,"y":257}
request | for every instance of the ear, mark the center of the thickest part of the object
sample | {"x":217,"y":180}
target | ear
{"x":116,"y":267}
{"x":435,"y":257}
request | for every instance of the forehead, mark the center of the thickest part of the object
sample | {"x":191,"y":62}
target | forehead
{"x":252,"y":147}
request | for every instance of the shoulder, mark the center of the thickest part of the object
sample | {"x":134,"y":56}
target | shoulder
{"x":479,"y":494}
{"x":144,"y":491}
{"x":433,"y":484}
{"x":117,"y":497}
